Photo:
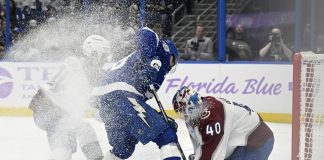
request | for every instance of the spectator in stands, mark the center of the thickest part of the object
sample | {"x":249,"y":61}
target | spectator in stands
{"x":189,"y":4}
{"x":276,"y":49}
{"x":181,"y":12}
{"x":153,"y":12}
{"x":199,"y":47}
{"x":13,"y":9}
{"x":158,"y":30}
{"x":21,"y":26}
{"x":3,"y":34}
{"x":32,"y":25}
{"x":134,"y":16}
{"x":237,"y":46}
{"x":51,"y":14}
{"x":166,"y":16}
{"x":306,"y":38}
{"x":320,"y":44}
{"x":27,"y":14}
{"x":2,"y":38}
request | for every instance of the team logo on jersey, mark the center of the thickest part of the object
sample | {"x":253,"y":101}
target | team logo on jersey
{"x":205,"y":114}
{"x":6,"y":83}
{"x":140,"y":110}
{"x":166,"y":47}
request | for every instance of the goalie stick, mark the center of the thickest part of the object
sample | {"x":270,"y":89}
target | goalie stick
{"x":166,"y":118}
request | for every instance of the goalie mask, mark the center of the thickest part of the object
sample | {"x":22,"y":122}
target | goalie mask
{"x":187,"y":104}
{"x":97,"y":48}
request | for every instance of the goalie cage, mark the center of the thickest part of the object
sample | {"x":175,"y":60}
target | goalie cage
{"x":308,"y":107}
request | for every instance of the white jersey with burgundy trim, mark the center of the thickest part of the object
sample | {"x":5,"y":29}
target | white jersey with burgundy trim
{"x":70,"y":89}
{"x":224,"y":126}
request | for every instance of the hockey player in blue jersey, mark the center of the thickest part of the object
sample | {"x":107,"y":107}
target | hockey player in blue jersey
{"x":122,"y":96}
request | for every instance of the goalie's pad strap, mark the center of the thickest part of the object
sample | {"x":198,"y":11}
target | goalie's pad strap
{"x":169,"y":150}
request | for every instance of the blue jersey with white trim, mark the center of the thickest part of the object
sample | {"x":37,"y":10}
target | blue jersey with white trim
{"x":121,"y":96}
{"x":147,"y":65}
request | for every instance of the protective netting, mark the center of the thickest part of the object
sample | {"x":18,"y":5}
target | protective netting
{"x":311,"y":118}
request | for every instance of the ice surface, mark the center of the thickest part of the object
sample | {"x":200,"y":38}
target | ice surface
{"x":20,"y":139}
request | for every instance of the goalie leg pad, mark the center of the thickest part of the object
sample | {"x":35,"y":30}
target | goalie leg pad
{"x":61,"y":154}
{"x":88,"y":141}
{"x":85,"y":133}
{"x":167,"y":143}
{"x":92,"y":151}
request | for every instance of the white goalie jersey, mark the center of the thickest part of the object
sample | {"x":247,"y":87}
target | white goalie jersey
{"x":223,"y":126}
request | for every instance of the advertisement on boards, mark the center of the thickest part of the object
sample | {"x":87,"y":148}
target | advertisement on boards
{"x":264,"y":87}
{"x":19,"y":81}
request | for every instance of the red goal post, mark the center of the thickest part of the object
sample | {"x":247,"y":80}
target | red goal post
{"x":308,"y":107}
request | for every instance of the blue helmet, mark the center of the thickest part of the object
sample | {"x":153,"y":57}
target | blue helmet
{"x":186,"y":102}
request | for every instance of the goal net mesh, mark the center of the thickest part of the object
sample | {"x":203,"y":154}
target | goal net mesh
{"x":308,"y":106}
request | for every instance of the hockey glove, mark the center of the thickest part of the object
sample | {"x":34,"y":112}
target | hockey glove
{"x":171,"y":122}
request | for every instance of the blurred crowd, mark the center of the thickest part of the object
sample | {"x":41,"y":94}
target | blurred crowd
{"x":270,"y":44}
{"x":27,"y":15}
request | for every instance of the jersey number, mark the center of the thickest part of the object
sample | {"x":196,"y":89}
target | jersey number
{"x":210,"y":129}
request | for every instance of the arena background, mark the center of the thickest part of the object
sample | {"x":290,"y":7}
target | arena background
{"x":264,"y":86}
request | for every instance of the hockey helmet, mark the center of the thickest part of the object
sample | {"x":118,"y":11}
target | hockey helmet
{"x":96,"y":47}
{"x":187,"y":103}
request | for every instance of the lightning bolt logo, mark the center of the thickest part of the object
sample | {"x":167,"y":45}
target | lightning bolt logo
{"x":140,"y":110}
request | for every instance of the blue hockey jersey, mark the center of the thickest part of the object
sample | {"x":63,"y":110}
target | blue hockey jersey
{"x":147,"y":65}
{"x":124,"y":88}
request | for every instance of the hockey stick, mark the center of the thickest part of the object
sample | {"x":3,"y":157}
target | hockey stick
{"x":166,"y":118}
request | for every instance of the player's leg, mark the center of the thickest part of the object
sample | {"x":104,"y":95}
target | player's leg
{"x":62,"y":140}
{"x":157,"y":130}
{"x":45,"y":114}
{"x":245,"y":153}
{"x":117,"y":126}
{"x":130,"y":120}
{"x":88,"y":141}
{"x":167,"y":144}
{"x":261,"y":153}
{"x":238,"y":153}
{"x":122,"y":142}
{"x":61,"y":154}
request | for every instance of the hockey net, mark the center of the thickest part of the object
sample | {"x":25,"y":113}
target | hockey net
{"x":308,"y":107}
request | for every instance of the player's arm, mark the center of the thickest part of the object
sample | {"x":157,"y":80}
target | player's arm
{"x":34,"y":102}
{"x":150,"y":72}
{"x":212,"y":132}
{"x":195,"y":146}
